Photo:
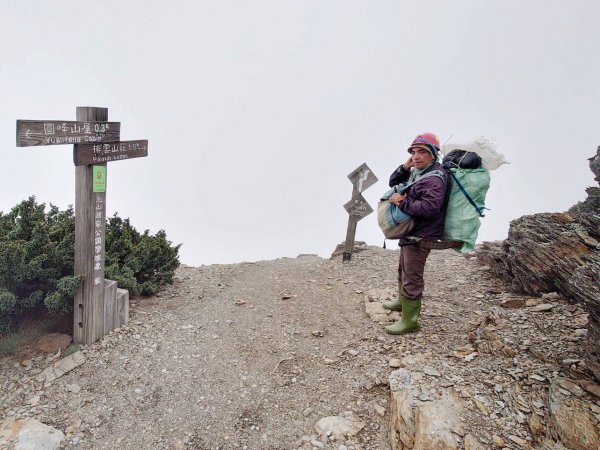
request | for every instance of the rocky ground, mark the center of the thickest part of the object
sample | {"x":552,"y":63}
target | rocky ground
{"x":254,"y":355}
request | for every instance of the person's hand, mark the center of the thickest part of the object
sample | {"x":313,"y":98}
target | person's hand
{"x":409,"y":163}
{"x":396,"y":199}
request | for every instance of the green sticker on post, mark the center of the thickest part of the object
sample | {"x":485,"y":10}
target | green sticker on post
{"x":99,"y":178}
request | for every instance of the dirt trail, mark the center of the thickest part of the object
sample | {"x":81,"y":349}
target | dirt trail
{"x":252,"y":355}
{"x":223,"y":360}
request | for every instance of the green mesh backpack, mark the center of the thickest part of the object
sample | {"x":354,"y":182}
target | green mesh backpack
{"x":466,"y":202}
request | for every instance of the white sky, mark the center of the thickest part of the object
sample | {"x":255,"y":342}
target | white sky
{"x":256,"y":111}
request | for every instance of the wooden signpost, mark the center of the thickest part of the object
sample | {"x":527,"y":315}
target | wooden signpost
{"x":99,"y":305}
{"x":361,"y":178}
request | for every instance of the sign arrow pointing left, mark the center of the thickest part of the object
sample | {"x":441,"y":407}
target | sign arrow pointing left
{"x":64,"y":132}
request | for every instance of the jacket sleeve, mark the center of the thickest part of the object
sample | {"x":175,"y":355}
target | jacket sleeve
{"x":426,"y":199}
{"x":400,"y":175}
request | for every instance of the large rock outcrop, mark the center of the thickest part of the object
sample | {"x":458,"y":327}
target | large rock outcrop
{"x":423,"y":425}
{"x":557,"y":252}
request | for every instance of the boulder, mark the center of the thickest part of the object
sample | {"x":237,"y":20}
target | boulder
{"x":556,"y":252}
{"x":570,"y":422}
{"x":438,"y":423}
{"x":53,"y":342}
{"x":423,"y":425}
{"x":359,"y":246}
{"x":402,"y":418}
{"x":29,"y":434}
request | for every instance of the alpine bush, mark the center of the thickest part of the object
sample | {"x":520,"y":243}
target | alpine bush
{"x":36,"y":260}
{"x":139,"y":262}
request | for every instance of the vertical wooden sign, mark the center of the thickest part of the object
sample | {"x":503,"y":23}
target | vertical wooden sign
{"x":90,"y":235}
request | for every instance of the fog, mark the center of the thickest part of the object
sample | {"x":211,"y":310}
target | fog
{"x":256,"y":112}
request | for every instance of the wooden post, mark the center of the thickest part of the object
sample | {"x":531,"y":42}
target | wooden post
{"x":350,"y":233}
{"x":122,"y":307}
{"x":110,"y":307}
{"x":361,"y":178}
{"x":90,"y":230}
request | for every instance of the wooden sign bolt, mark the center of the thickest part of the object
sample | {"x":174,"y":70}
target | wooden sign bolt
{"x":358,"y":208}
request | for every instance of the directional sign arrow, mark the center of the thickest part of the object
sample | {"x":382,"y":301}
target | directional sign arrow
{"x":60,"y":132}
{"x":88,"y":154}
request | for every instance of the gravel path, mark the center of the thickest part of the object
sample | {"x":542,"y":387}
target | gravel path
{"x":224,"y":359}
{"x":252,"y":355}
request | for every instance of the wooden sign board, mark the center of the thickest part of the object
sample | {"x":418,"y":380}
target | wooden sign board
{"x":59,"y":132}
{"x":358,"y":208}
{"x":89,"y":154}
{"x":362,"y":177}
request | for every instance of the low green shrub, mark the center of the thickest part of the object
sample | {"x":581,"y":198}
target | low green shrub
{"x":36,"y":260}
{"x":139,"y":262}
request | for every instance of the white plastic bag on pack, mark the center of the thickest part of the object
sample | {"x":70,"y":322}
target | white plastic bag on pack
{"x":484,"y":147}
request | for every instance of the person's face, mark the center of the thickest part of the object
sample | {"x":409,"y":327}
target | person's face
{"x":421,"y":158}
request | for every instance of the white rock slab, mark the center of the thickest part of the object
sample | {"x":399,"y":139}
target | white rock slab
{"x":340,"y":427}
{"x":438,"y":423}
{"x":377,"y":313}
{"x":29,"y":434}
{"x":59,"y":368}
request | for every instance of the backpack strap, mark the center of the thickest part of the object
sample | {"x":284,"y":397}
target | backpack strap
{"x":408,"y":240}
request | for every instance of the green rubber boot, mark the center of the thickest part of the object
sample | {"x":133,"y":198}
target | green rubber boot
{"x":409,"y":322}
{"x":396,"y":305}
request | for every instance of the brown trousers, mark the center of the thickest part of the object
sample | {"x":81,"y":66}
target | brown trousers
{"x":411,"y":268}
